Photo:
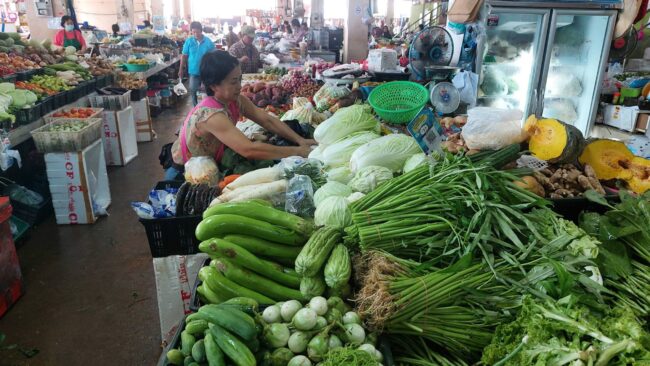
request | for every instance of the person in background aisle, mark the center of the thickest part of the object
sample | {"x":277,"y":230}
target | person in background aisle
{"x":245,"y":52}
{"x":301,"y":32}
{"x":210,"y":127}
{"x":231,"y":37}
{"x":147,"y":24}
{"x":69,"y":35}
{"x":193,"y":50}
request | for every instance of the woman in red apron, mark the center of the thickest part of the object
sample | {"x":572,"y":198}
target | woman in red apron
{"x":69,"y":35}
{"x":210,"y":127}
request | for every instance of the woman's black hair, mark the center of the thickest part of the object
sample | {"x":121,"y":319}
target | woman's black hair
{"x":64,"y":19}
{"x":215,"y":66}
{"x":115,"y":28}
{"x":295,"y":23}
{"x":146,"y":23}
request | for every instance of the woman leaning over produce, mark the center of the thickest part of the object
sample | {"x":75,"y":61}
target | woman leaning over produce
{"x":210,"y":127}
{"x":69,"y":35}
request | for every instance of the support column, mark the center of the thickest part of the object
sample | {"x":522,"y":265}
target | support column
{"x":316,"y":20}
{"x":125,"y":13}
{"x":187,"y":9}
{"x":355,"y":32}
{"x":155,"y":7}
{"x":390,"y":13}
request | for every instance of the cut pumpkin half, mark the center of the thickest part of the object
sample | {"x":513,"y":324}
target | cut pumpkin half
{"x":552,"y":140}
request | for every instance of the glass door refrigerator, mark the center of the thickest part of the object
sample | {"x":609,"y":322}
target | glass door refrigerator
{"x":547,"y":58}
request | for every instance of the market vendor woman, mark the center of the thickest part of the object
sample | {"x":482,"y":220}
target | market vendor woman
{"x":69,"y":35}
{"x":210,"y":127}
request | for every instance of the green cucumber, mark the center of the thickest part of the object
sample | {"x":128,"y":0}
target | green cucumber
{"x":208,"y":274}
{"x":263,"y":247}
{"x":213,"y":353}
{"x":175,"y":357}
{"x":231,"y":319}
{"x":188,"y":360}
{"x":197,"y":326}
{"x":242,"y":257}
{"x":192,"y":317}
{"x":219,"y":282}
{"x":235,"y":349}
{"x":210,"y":296}
{"x":221,"y":225}
{"x":187,"y":342}
{"x":256,"y":282}
{"x":264,"y":213}
{"x":313,"y":255}
{"x":198,"y":350}
{"x":245,"y":304}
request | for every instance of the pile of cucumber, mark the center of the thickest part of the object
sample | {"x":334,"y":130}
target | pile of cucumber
{"x":218,"y":335}
{"x":253,"y":247}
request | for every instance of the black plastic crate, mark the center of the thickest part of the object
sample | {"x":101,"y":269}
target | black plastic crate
{"x":390,"y":76}
{"x":27,"y":74}
{"x":91,"y":86}
{"x":172,"y":235}
{"x":570,"y":208}
{"x":138,"y":94}
{"x":25,"y":116}
{"x":74,"y":94}
{"x":47,"y":105}
{"x":175,"y":342}
{"x":100,"y":81}
{"x":60,"y":99}
{"x":195,"y":301}
{"x":9,"y":78}
{"x":32,"y":215}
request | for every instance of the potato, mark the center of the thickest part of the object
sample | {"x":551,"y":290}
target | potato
{"x":531,"y":184}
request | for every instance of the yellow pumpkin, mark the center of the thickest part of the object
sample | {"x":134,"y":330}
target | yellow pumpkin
{"x":552,"y":140}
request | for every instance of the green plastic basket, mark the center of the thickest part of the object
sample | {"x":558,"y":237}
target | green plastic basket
{"x":398,"y":102}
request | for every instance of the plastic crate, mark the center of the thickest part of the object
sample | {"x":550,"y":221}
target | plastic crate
{"x":74,"y":95}
{"x":111,"y":102}
{"x":30,"y":214}
{"x":47,"y":140}
{"x":25,"y":116}
{"x":47,"y":105}
{"x":195,"y":301}
{"x":27,"y":74}
{"x":172,"y":235}
{"x":138,"y":94}
{"x":174,"y":343}
{"x":92,"y":85}
{"x":9,"y":78}
{"x":50,"y":116}
{"x":60,"y":99}
{"x":21,"y":228}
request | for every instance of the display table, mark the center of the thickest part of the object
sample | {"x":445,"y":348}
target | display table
{"x":156,"y":69}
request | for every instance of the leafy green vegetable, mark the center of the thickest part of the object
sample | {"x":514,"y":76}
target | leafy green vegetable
{"x":389,"y":151}
{"x":345,"y":122}
{"x":330,"y":189}
{"x":7,"y":87}
{"x":369,"y":178}
{"x":340,"y":152}
{"x":333,"y":211}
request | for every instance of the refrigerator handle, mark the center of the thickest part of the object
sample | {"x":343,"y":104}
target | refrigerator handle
{"x":535,"y":103}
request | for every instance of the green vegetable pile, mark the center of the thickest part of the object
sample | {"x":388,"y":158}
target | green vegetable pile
{"x":68,"y":126}
{"x":50,"y":82}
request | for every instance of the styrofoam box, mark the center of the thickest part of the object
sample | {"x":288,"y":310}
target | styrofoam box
{"x":143,"y":123}
{"x":621,"y":117}
{"x":382,"y":59}
{"x":119,"y":137}
{"x":78,"y":184}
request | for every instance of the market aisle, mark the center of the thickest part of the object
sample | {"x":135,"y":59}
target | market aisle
{"x":90,"y":290}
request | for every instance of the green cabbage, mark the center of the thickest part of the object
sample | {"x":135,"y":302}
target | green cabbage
{"x":344,"y":122}
{"x":334,"y":212}
{"x":19,"y":99}
{"x":31,"y":97}
{"x":414,"y":161}
{"x":7,"y":87}
{"x":5,"y":102}
{"x":368,"y":178}
{"x":389,"y":151}
{"x":317,"y":153}
{"x":340,"y":152}
{"x":342,"y":174}
{"x":70,"y":50}
{"x":331,"y":189}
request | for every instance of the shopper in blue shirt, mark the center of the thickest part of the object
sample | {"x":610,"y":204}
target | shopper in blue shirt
{"x":193,"y":50}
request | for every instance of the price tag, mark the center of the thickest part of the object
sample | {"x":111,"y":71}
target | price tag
{"x":492,"y":20}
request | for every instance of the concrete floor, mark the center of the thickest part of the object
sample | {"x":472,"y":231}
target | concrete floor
{"x":90,"y":293}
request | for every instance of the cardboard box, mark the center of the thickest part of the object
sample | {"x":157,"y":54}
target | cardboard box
{"x":119,"y":137}
{"x":621,"y":117}
{"x":642,"y":122}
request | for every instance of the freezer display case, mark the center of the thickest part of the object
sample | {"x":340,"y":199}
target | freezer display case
{"x":547,"y":58}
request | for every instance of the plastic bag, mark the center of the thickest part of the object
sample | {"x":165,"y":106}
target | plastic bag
{"x":300,"y":196}
{"x":16,"y":192}
{"x":467,"y":84}
{"x":328,"y":95}
{"x":202,"y":170}
{"x":180,"y":89}
{"x":492,"y":128}
{"x":162,"y":203}
{"x":296,"y":165}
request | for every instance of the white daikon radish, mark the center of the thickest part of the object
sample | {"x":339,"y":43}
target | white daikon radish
{"x":264,"y":175}
{"x":263,"y":191}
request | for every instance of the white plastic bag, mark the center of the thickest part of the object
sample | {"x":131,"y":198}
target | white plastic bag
{"x":202,"y":169}
{"x":492,"y":128}
{"x":180,"y":89}
{"x":467,"y":84}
